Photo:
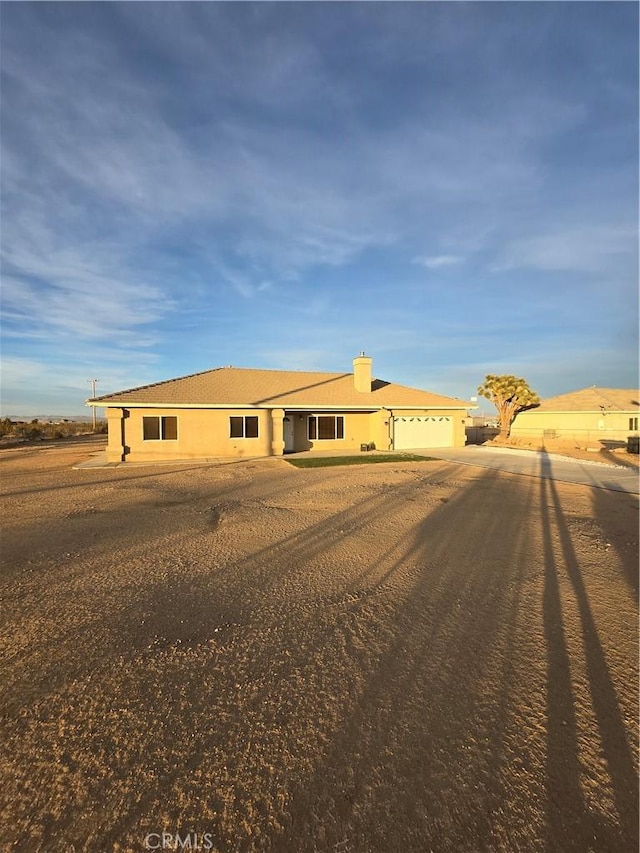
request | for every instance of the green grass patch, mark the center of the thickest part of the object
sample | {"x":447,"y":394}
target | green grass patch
{"x":365,"y":459}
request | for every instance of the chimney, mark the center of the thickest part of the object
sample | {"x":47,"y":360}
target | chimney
{"x":362,"y":373}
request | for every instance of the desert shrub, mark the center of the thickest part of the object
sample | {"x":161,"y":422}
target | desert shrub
{"x":37,"y":429}
{"x":6,"y":427}
{"x":29,"y":432}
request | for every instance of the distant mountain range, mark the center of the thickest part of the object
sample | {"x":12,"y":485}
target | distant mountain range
{"x":54,"y":418}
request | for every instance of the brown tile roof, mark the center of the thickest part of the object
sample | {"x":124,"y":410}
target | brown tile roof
{"x":236,"y":386}
{"x":592,"y":400}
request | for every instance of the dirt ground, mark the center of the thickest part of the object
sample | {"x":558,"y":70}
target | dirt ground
{"x":406,"y":657}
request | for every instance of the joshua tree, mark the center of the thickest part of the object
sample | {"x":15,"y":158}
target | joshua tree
{"x":510,"y":395}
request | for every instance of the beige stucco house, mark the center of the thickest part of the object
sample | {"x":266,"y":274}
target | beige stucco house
{"x":589,"y":415}
{"x":239,"y":412}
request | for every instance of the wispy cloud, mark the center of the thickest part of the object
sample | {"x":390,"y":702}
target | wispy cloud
{"x":302,"y":202}
{"x":77,"y":292}
{"x":64,"y":379}
{"x":585,"y":248}
{"x":437,"y":261}
{"x":178,"y":177}
{"x":300,"y":359}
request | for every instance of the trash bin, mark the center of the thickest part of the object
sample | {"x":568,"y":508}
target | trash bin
{"x":633,"y":444}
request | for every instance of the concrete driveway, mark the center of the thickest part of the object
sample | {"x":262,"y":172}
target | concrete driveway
{"x":541,"y":464}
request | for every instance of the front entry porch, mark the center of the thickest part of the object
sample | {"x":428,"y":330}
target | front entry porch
{"x":318,"y":431}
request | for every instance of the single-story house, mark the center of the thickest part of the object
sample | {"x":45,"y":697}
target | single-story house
{"x":591,"y":414}
{"x":238,"y":412}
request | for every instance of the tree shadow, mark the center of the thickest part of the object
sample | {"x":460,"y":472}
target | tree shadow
{"x":251,"y":593}
{"x":398,"y":695}
{"x":94,"y":526}
{"x":617,"y":458}
{"x":129,"y":472}
{"x":218,"y":592}
{"x":416,"y":763}
{"x":570,"y":825}
{"x":617,"y":515}
{"x":430,"y":790}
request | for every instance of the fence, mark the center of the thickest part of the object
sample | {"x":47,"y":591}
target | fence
{"x":478,"y":434}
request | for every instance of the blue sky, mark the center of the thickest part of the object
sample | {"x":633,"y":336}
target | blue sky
{"x":451,"y":187}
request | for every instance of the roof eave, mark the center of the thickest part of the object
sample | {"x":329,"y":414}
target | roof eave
{"x":605,"y":411}
{"x":302,"y":407}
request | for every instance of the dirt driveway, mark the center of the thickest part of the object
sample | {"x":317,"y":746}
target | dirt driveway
{"x":404,"y":657}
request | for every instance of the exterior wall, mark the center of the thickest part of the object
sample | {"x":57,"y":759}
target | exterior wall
{"x":577,"y":426}
{"x":202,"y":433}
{"x":459,"y":431}
{"x":379,"y":430}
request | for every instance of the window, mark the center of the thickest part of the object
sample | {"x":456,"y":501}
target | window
{"x":633,"y":424}
{"x":243,"y":427}
{"x":160,"y":428}
{"x":326,"y":427}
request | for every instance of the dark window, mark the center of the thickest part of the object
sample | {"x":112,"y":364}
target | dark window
{"x":633,"y":424}
{"x":326,"y":427}
{"x":236,"y":427}
{"x":170,"y":428}
{"x":243,"y":427}
{"x":157,"y":428}
{"x":151,"y":429}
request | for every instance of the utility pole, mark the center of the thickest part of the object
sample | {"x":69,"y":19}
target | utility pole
{"x":93,"y":382}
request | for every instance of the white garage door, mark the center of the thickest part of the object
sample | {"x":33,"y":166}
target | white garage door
{"x":411,"y":432}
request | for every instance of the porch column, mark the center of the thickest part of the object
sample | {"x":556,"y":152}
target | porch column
{"x":277,"y":432}
{"x":115,"y":443}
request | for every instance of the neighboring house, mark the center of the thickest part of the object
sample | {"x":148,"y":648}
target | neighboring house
{"x":592,"y":414}
{"x":239,"y":412}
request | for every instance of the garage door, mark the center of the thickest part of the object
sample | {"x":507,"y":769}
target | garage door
{"x":411,"y":432}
